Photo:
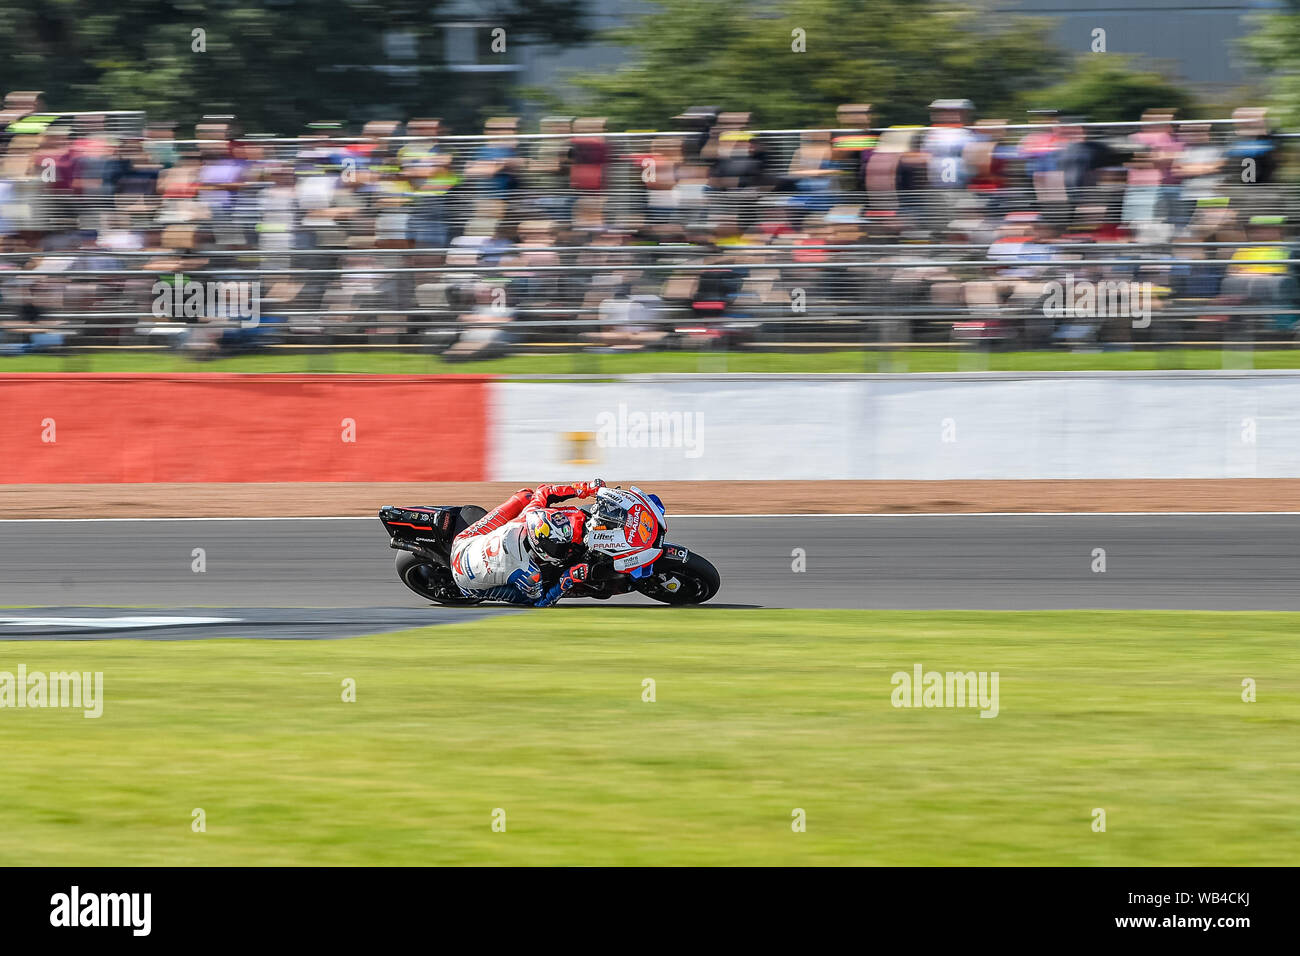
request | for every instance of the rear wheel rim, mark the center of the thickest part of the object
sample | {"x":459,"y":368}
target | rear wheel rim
{"x":424,"y":579}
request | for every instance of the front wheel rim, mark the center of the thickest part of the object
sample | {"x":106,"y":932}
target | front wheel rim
{"x":692,"y":589}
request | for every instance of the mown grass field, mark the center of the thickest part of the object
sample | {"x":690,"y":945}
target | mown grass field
{"x":629,"y":363}
{"x":757,"y":713}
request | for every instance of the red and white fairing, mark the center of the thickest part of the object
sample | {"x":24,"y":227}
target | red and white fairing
{"x":631,"y":546}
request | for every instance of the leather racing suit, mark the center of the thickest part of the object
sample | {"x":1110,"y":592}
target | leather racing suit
{"x":493,"y":560}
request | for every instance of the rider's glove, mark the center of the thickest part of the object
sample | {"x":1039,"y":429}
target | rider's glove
{"x":588,"y":489}
{"x":575,"y":575}
{"x":550,"y":597}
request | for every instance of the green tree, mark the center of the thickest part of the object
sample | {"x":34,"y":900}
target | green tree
{"x":1106,"y":87}
{"x":897,"y":54}
{"x":1275,"y":47}
{"x":276,"y":64}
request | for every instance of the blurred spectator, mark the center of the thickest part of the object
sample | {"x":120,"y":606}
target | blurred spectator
{"x":160,"y":145}
{"x":627,"y":322}
{"x":548,"y":169}
{"x":946,"y":141}
{"x":1199,"y":169}
{"x":1152,"y":177}
{"x":852,"y":145}
{"x":1081,"y":157}
{"x":1157,"y":143}
{"x":658,"y":171}
{"x":698,"y":123}
{"x":91,"y":151}
{"x":432,"y":183}
{"x":1253,"y":151}
{"x":1038,"y":147}
{"x":716,"y":200}
{"x":486,"y":332}
{"x":812,"y":171}
{"x":54,"y":160}
{"x":896,"y":166}
{"x":987,"y":157}
{"x":738,"y":171}
{"x":1198,"y":276}
{"x":20,"y":114}
{"x":589,"y":156}
{"x":1253,"y":280}
{"x":497,"y":163}
{"x":423,"y":145}
{"x":1265,"y":235}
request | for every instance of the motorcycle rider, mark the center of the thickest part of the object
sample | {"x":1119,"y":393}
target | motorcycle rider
{"x":499,"y":557}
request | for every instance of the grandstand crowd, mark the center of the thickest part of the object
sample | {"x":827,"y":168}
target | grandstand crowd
{"x":711,"y":231}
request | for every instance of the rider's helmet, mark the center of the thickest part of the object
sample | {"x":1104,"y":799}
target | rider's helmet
{"x":550,"y":534}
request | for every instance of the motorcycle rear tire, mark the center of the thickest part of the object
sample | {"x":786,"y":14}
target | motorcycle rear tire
{"x":433,"y":582}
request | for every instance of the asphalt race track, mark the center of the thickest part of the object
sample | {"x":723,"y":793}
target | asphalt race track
{"x":1192,"y":561}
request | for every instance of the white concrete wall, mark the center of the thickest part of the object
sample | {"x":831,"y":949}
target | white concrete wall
{"x":1125,"y":425}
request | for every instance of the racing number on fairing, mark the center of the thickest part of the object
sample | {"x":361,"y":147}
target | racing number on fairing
{"x":640,"y":526}
{"x":646,"y":528}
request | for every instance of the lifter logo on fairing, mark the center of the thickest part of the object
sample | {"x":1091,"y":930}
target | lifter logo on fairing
{"x":605,"y":538}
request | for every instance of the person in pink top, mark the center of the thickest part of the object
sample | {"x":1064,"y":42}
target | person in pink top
{"x":1160,"y":147}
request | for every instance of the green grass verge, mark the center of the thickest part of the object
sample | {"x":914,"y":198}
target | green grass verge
{"x":757,"y":713}
{"x":591,"y":363}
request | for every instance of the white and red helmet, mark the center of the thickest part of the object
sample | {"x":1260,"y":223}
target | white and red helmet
{"x":550,"y":534}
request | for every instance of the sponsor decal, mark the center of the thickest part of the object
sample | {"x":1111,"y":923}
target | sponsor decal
{"x":639,"y":526}
{"x":636,"y":559}
{"x":606,"y":539}
{"x":646,"y":528}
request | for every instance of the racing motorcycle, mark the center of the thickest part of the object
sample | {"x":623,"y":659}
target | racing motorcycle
{"x":623,"y":544}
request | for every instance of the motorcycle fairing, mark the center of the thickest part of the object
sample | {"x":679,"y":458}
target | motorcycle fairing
{"x":627,"y":525}
{"x":637,"y":559}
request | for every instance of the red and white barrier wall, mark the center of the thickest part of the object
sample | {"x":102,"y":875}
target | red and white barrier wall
{"x":904,"y":427}
{"x":68,"y":428}
{"x":72,"y":428}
